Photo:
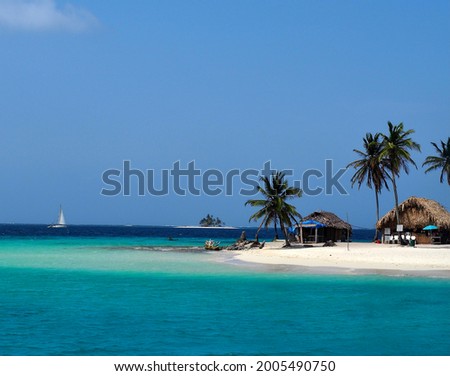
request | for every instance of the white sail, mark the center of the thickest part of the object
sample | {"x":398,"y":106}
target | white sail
{"x":61,"y":220}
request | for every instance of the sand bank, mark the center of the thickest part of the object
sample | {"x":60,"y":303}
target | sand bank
{"x":360,"y":258}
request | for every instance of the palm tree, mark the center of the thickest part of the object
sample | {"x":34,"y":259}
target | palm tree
{"x":370,"y":169}
{"x":441,"y":161}
{"x":395,"y":149}
{"x":274,"y":208}
{"x":210,"y":221}
{"x":207,"y":221}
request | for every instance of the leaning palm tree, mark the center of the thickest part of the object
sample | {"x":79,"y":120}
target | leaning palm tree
{"x":441,"y":161}
{"x":395,"y":149}
{"x":274,"y":208}
{"x":371,"y":169}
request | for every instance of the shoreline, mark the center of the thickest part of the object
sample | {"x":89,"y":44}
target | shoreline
{"x":360,"y":259}
{"x":208,"y":227}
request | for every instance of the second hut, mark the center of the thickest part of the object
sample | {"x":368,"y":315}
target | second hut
{"x":330,"y":227}
{"x":416,"y":213}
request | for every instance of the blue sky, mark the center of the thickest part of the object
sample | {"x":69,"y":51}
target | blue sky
{"x":86,"y":85}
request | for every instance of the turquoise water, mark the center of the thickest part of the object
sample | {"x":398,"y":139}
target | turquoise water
{"x":116,"y":296}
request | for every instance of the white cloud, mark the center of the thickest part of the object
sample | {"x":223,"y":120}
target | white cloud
{"x":42,"y":15}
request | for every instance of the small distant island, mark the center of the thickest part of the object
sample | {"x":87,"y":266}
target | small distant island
{"x":211,"y":221}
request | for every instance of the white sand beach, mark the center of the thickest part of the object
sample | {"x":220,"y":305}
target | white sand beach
{"x":360,"y":258}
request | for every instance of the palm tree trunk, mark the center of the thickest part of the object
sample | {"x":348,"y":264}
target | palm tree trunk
{"x":378,"y":214}
{"x":394,"y":186}
{"x":259,"y":228}
{"x":286,"y":236}
{"x":275,"y":227}
{"x":298,"y":226}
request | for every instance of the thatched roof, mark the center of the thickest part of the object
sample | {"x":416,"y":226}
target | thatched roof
{"x":329,"y":220}
{"x":416,"y":213}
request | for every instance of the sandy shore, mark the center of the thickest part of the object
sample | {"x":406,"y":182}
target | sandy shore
{"x":361,"y":258}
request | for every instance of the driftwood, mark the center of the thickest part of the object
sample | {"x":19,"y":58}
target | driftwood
{"x":243,"y":244}
{"x":243,"y":237}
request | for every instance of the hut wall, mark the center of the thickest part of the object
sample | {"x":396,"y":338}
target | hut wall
{"x":324,"y":234}
{"x":330,"y":233}
{"x":423,"y":239}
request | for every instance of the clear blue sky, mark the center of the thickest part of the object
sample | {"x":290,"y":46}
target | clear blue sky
{"x":85,"y":85}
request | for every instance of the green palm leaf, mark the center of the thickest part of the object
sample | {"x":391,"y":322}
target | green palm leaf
{"x":371,"y":168}
{"x":396,"y":148}
{"x":441,"y":161}
{"x":275,"y":210}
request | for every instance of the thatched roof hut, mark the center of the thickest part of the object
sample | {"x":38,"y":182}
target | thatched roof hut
{"x":415,"y":214}
{"x":328,"y":219}
{"x":335,"y":228}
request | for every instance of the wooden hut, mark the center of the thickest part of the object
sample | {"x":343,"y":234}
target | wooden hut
{"x":415,"y":214}
{"x":334,"y":229}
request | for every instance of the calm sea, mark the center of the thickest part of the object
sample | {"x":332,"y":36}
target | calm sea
{"x":115,"y":290}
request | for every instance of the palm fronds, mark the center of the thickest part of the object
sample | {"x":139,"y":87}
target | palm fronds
{"x":441,"y":161}
{"x":274,"y":209}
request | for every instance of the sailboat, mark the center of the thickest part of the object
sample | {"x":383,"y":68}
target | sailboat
{"x":61,"y":223}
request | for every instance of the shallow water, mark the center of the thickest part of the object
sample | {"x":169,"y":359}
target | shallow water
{"x":115,"y":296}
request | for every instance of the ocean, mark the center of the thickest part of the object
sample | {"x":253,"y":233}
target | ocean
{"x":117,"y":290}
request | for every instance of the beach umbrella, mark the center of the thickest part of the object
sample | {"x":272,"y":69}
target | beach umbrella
{"x":430,"y":227}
